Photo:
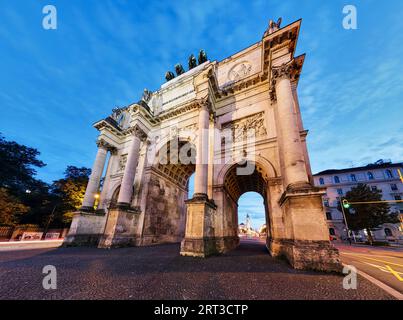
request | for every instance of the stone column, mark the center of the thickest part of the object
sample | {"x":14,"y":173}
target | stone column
{"x":299,"y":211}
{"x":201,"y":175}
{"x":95,"y":178}
{"x":292,"y":150}
{"x":200,"y":234}
{"x":126,"y":188}
{"x":105,"y":188}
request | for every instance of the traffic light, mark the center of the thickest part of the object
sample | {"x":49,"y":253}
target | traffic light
{"x":346,"y":205}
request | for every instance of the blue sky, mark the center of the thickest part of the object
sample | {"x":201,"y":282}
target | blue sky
{"x":55,"y":83}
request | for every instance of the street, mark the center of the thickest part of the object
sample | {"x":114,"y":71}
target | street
{"x":159,"y":272}
{"x":382,"y":263}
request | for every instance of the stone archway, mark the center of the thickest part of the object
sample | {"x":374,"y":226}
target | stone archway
{"x":233,"y":187}
{"x":250,"y":99}
{"x":167,"y":191}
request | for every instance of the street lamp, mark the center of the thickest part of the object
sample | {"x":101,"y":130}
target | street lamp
{"x":96,"y":196}
{"x":345,"y":205}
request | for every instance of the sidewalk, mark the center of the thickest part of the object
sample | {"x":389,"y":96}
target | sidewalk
{"x":28,"y":245}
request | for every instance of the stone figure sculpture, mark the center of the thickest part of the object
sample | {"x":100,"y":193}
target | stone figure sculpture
{"x":179,"y":69}
{"x":192,"y":62}
{"x":202,"y":56}
{"x":273,"y":26}
{"x":169,"y":75}
{"x":146,"y":95}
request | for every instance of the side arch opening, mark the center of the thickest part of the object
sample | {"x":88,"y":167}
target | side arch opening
{"x":245,"y":208}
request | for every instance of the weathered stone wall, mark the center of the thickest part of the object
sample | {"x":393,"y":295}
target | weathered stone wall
{"x":85,"y":229}
{"x":165,"y":211}
{"x":230,"y":216}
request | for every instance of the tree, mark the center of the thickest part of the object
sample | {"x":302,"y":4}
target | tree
{"x":71,"y":190}
{"x":367,"y":216}
{"x":10,"y":208}
{"x":17,"y":166}
{"x":41,"y":201}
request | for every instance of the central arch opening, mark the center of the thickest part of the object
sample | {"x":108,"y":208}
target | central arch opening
{"x":247,"y":205}
{"x":168,"y":188}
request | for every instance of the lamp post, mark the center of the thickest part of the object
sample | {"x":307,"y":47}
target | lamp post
{"x":345,"y":204}
{"x":49,"y":220}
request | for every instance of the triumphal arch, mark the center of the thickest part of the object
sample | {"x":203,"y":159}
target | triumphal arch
{"x":236,"y":124}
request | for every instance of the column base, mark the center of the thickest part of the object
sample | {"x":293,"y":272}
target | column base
{"x":121,"y":228}
{"x":123,"y":206}
{"x":200,"y":240}
{"x":85,"y":230}
{"x":81,"y":240}
{"x":306,"y":254}
{"x":312,"y":255}
{"x":274,"y":247}
{"x":204,"y":247}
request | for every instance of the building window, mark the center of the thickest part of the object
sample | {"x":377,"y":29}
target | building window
{"x":388,"y":232}
{"x":336,"y":179}
{"x":353,"y":177}
{"x":321,"y":181}
{"x":332,"y":232}
{"x":393,"y":186}
{"x":326,"y":202}
{"x":374,"y":188}
{"x":328,"y":215}
{"x":340,"y":192}
{"x":398,"y":197}
{"x":370,"y":175}
{"x":389,"y":174}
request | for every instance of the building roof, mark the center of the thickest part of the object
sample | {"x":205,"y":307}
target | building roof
{"x":370,"y":166}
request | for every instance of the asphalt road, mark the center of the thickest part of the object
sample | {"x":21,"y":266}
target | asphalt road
{"x":384,"y":264}
{"x":159,"y":272}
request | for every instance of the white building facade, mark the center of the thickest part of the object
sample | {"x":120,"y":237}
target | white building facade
{"x":382,"y":175}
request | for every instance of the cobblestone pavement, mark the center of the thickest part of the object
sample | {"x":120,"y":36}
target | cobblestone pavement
{"x":159,"y":272}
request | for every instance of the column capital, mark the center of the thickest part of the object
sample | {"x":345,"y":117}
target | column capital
{"x":138,"y":132}
{"x":287,"y":70}
{"x":205,"y":104}
{"x":101,"y":143}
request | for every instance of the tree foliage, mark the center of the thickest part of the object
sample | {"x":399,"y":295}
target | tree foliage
{"x":10,"y":208}
{"x":71,"y":190}
{"x":17,"y":165}
{"x":367,"y":216}
{"x":25,"y":199}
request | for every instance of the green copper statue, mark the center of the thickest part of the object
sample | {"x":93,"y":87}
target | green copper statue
{"x":202,"y":57}
{"x":169,"y":75}
{"x":179,"y":69}
{"x":192,"y":62}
